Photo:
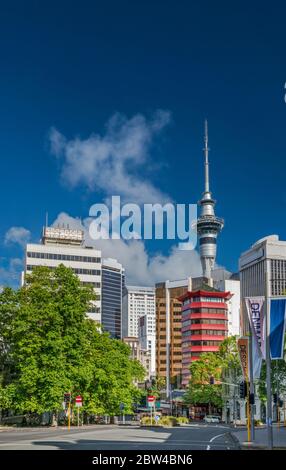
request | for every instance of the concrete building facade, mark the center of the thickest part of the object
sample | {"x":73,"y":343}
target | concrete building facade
{"x":60,"y":245}
{"x":269,"y":254}
{"x":266,"y":255}
{"x":169,"y":331}
{"x":233,"y":304}
{"x":147,"y":339}
{"x":138,"y":301}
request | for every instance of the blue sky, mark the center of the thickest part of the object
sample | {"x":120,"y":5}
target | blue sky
{"x":73,"y":65}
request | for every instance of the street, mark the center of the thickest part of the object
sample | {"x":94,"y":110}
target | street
{"x":191,"y":437}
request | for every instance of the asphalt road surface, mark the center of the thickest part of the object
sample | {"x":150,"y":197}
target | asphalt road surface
{"x":191,"y":437}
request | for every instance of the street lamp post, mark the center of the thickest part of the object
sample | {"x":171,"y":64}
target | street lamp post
{"x":268,"y":363}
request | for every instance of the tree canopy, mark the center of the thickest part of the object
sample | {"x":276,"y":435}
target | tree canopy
{"x":200,"y":390}
{"x":48,"y":346}
{"x":278,"y":379}
{"x":215,"y":365}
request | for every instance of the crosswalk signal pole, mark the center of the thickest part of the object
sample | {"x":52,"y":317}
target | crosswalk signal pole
{"x":69,"y":416}
{"x":248,"y":412}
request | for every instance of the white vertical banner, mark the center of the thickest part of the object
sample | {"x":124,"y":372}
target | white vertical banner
{"x":256,"y":316}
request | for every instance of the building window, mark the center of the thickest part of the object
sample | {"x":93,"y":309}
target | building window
{"x":63,"y":257}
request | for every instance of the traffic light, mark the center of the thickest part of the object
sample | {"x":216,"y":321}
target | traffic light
{"x":251,"y":399}
{"x":275,"y":398}
{"x":211,"y":380}
{"x":67,"y":397}
{"x":243,"y":389}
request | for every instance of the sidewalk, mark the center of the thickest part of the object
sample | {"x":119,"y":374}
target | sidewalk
{"x":260,"y":442}
{"x":55,"y":428}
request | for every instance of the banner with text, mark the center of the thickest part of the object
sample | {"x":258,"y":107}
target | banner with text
{"x":277,"y":327}
{"x":256,"y":315}
{"x":242,"y":344}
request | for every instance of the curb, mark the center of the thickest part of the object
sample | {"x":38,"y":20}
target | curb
{"x":252,"y":446}
{"x":235,"y":440}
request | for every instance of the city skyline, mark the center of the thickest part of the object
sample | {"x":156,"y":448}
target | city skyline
{"x":130,"y":95}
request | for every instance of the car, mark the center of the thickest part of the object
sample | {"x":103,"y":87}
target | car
{"x":211,"y":419}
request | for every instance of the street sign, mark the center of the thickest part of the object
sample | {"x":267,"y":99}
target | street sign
{"x":151,"y":398}
{"x":78,"y":401}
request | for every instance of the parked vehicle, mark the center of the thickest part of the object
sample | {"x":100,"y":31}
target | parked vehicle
{"x":212,"y":419}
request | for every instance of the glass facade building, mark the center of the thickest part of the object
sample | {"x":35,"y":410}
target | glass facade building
{"x":113,"y":281}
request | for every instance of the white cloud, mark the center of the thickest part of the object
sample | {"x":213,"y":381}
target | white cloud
{"x":18,"y":235}
{"x":113,"y":163}
{"x":141,"y":268}
{"x":10,"y":273}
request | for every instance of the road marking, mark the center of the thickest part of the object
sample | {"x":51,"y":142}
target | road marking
{"x":215,"y":437}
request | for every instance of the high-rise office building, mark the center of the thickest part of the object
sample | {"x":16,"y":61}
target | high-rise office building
{"x":60,"y":245}
{"x":138,"y":301}
{"x":113,"y":279}
{"x":270,"y":253}
{"x":233,"y":304}
{"x":169,"y":331}
{"x":147,"y":338}
{"x":204,"y":324}
{"x":267,"y":254}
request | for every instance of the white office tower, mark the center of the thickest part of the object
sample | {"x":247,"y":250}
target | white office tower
{"x":233,"y":304}
{"x":60,"y":245}
{"x":147,"y":339}
{"x":137,"y":302}
{"x":270,"y":252}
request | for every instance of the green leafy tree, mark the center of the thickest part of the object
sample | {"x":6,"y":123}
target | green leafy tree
{"x":278,"y":379}
{"x":200,"y":390}
{"x":156,"y":386}
{"x":48,"y":347}
{"x":224,"y":363}
{"x":228,"y":353}
{"x":230,"y":362}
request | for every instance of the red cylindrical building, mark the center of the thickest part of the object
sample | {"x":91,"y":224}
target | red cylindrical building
{"x":204,"y":325}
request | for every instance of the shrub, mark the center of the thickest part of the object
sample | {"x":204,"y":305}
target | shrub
{"x":146,"y":420}
{"x":257,"y":422}
{"x":168,"y":421}
{"x":164,"y":421}
{"x":182,"y":420}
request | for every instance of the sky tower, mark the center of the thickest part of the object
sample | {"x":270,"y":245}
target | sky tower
{"x":208,"y":225}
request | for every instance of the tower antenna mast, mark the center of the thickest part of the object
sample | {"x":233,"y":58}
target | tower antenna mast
{"x":206,"y":152}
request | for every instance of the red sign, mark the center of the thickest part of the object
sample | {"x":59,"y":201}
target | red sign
{"x":78,"y":401}
{"x":151,"y":398}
